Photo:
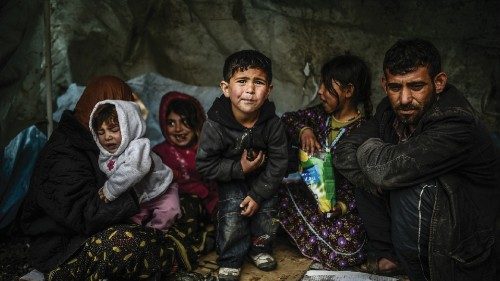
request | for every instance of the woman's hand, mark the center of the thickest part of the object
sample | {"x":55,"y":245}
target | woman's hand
{"x":308,"y":141}
{"x":249,"y":166}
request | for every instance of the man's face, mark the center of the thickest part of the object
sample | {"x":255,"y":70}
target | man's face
{"x":247,"y":91}
{"x":412,"y":93}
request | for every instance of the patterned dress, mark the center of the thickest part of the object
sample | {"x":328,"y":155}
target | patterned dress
{"x":135,"y":252}
{"x":337,"y":242}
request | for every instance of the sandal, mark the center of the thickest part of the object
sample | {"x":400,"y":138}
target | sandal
{"x":371,"y":267}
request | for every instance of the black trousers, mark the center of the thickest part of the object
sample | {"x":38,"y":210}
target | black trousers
{"x":398,"y":225}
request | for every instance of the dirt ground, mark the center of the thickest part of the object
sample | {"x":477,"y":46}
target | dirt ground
{"x":13,"y":252}
{"x":291,"y":265}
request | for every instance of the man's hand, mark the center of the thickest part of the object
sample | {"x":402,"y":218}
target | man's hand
{"x":379,"y":192}
{"x":248,"y":207}
{"x":376,"y":191}
{"x":308,"y":141}
{"x":249,"y":166}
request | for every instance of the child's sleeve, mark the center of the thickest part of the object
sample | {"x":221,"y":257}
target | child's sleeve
{"x":271,"y":177}
{"x":135,"y":166}
{"x":210,"y":162}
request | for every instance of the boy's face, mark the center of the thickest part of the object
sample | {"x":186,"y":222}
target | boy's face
{"x":247,"y":91}
{"x":178,"y":131}
{"x":109,"y":136}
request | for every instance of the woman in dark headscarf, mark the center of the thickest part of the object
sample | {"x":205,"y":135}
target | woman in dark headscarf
{"x":75,"y":235}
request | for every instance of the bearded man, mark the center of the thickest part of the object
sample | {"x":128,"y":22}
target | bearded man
{"x":426,"y":169}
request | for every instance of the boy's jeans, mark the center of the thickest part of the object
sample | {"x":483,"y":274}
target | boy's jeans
{"x":236,"y":234}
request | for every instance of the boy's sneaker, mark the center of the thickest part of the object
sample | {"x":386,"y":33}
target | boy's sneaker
{"x":264,"y":261}
{"x":229,"y":274}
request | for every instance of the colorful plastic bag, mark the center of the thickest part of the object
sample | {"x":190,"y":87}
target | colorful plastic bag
{"x":316,"y":171}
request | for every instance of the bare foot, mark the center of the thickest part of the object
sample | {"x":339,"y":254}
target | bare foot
{"x":386,"y":265}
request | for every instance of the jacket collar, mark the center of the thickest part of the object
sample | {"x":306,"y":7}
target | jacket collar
{"x":78,"y":135}
{"x":447,"y":102}
{"x":221,"y":112}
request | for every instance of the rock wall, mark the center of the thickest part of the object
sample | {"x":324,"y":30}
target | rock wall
{"x":188,"y":41}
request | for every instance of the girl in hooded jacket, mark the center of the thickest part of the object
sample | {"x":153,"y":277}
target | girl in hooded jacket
{"x":181,"y":119}
{"x":126,"y":158}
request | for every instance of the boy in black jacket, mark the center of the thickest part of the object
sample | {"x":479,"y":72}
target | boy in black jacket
{"x":243,"y":146}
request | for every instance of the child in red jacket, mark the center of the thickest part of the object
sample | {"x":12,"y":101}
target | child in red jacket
{"x":181,"y":118}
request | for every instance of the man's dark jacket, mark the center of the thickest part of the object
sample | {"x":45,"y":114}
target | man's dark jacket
{"x":450,"y":144}
{"x":223,"y":140}
{"x":62,"y":208}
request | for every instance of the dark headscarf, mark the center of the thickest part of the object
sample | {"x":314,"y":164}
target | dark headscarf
{"x":98,"y":89}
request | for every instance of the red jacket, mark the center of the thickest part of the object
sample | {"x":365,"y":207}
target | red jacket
{"x":182,"y":159}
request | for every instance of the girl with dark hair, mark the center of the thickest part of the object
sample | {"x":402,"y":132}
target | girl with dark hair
{"x":181,"y":118}
{"x":335,"y":239}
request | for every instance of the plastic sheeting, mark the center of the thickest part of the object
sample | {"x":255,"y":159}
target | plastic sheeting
{"x":17,"y":163}
{"x":150,"y":88}
{"x":325,"y":275}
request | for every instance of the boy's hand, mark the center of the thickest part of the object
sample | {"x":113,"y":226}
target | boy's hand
{"x":248,"y":207}
{"x":308,"y":141}
{"x":249,"y":166}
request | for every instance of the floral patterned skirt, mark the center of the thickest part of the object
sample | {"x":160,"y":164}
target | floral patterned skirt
{"x":135,"y":252}
{"x":335,"y":242}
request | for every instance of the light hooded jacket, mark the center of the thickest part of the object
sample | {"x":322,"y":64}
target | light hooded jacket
{"x":133,"y":164}
{"x":223,"y":141}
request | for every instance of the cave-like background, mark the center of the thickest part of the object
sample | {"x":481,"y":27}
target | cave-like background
{"x":188,"y":41}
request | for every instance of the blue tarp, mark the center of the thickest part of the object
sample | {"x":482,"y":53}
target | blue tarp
{"x":17,"y":162}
